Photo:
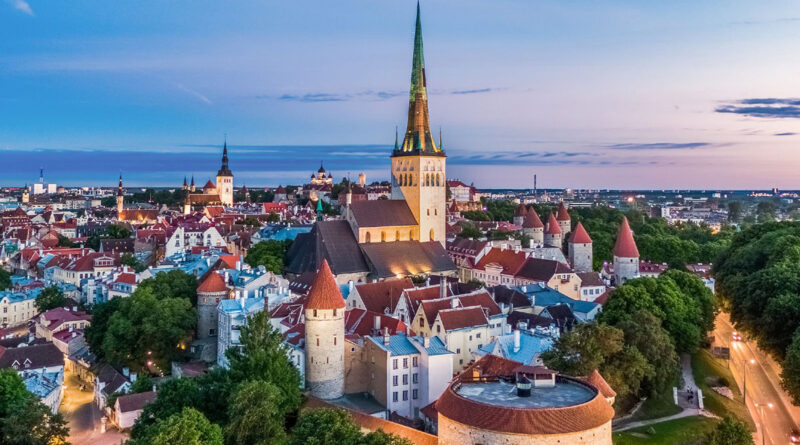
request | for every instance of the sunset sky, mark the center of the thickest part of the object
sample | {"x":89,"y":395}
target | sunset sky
{"x":610,"y":94}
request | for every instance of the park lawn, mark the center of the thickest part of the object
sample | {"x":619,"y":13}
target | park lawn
{"x":683,"y":431}
{"x":661,"y":405}
{"x":707,"y":369}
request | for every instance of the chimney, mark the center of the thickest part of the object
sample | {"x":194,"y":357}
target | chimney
{"x":385,"y":336}
{"x":454,"y":302}
{"x":426,"y":342}
{"x":516,"y":341}
{"x":428,"y":281}
{"x":442,"y":287}
{"x":377,"y":325}
{"x":351,"y":285}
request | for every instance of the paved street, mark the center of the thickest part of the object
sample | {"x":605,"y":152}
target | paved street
{"x":83,"y":416}
{"x":763,"y":385}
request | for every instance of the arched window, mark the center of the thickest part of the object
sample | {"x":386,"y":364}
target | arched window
{"x":431,"y":234}
{"x":437,"y":179}
{"x":411,"y":235}
{"x":367,"y":237}
{"x":397,"y":236}
{"x":383,"y":237}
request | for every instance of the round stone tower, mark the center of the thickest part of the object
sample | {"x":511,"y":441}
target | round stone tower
{"x":552,"y":233}
{"x":209,"y":293}
{"x":533,"y":227}
{"x":324,"y":340}
{"x":519,"y":215}
{"x":564,"y":222}
{"x":626,"y":255}
{"x":580,"y":250}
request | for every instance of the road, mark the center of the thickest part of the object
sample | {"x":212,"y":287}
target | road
{"x":763,"y":385}
{"x":79,"y":410}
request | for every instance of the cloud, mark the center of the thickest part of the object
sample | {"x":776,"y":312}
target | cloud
{"x":659,"y":146}
{"x":194,"y":93}
{"x":788,"y":133}
{"x":763,"y":107}
{"x":767,"y":22}
{"x":335,"y":97}
{"x":476,"y":91}
{"x":22,"y":6}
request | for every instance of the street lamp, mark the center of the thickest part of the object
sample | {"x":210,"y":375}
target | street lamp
{"x":744,"y":386}
{"x":760,"y":407}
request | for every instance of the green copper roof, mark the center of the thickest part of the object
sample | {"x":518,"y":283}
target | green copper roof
{"x":418,"y":139}
{"x":418,"y":64}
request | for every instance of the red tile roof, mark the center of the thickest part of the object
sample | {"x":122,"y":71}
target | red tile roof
{"x":325,"y":293}
{"x":135,"y":402}
{"x":580,"y":236}
{"x":563,"y":214}
{"x":509,"y":260}
{"x":597,"y":380}
{"x":229,"y":261}
{"x":552,"y":226}
{"x":460,"y":318}
{"x":214,"y":283}
{"x":625,"y":246}
{"x":209,"y":185}
{"x":383,"y":295}
{"x":531,"y":220}
{"x":521,"y":210}
{"x":569,"y":419}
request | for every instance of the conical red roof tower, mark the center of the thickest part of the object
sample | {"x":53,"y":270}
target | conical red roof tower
{"x":552,"y":226}
{"x":532,"y":220}
{"x":562,"y":213}
{"x":625,"y":246}
{"x":325,"y":293}
{"x":580,"y":236}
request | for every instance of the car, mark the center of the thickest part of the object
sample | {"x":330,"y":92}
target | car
{"x":794,"y":436}
{"x":736,"y":337}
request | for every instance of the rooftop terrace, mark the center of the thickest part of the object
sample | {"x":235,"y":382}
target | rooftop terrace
{"x":500,"y":393}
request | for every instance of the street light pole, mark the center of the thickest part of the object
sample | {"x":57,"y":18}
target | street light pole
{"x":760,"y":407}
{"x":744,"y":386}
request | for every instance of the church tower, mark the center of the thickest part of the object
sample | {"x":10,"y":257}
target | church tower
{"x":26,"y":197}
{"x":120,"y":198}
{"x":225,"y":179}
{"x":418,"y":165}
{"x":324,"y":337}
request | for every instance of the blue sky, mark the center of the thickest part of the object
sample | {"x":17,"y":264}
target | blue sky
{"x":619,"y":94}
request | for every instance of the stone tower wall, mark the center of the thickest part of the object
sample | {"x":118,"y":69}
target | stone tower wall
{"x":325,"y":353}
{"x":455,"y":433}
{"x":565,"y":227}
{"x":625,"y":269}
{"x":207,"y":314}
{"x":552,"y":240}
{"x":580,"y":256}
{"x":415,"y":179}
{"x":225,"y":189}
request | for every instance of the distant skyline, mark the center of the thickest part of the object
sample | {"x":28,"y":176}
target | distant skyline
{"x":617,"y":94}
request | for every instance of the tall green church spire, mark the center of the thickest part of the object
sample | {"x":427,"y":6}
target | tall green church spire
{"x":418,"y":139}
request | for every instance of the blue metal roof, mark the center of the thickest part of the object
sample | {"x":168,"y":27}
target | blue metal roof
{"x":250,"y":305}
{"x":531,"y":345}
{"x":547,"y":296}
{"x":400,"y":344}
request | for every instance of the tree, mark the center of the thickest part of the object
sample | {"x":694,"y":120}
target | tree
{"x":172,"y":284}
{"x":734,"y":211}
{"x":790,"y":369}
{"x":24,"y":420}
{"x":383,"y":438}
{"x":269,"y":254}
{"x":189,"y":427}
{"x":63,"y":241}
{"x":127,"y":259}
{"x":118,"y":231}
{"x":325,"y":427}
{"x":255,"y":418}
{"x":273,"y":217}
{"x":50,"y":297}
{"x":251,"y":221}
{"x":262,"y":357}
{"x":173,"y":396}
{"x":147,"y":329}
{"x":469,"y":230}
{"x":5,"y":279}
{"x":730,"y":431}
{"x":643,"y":331}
